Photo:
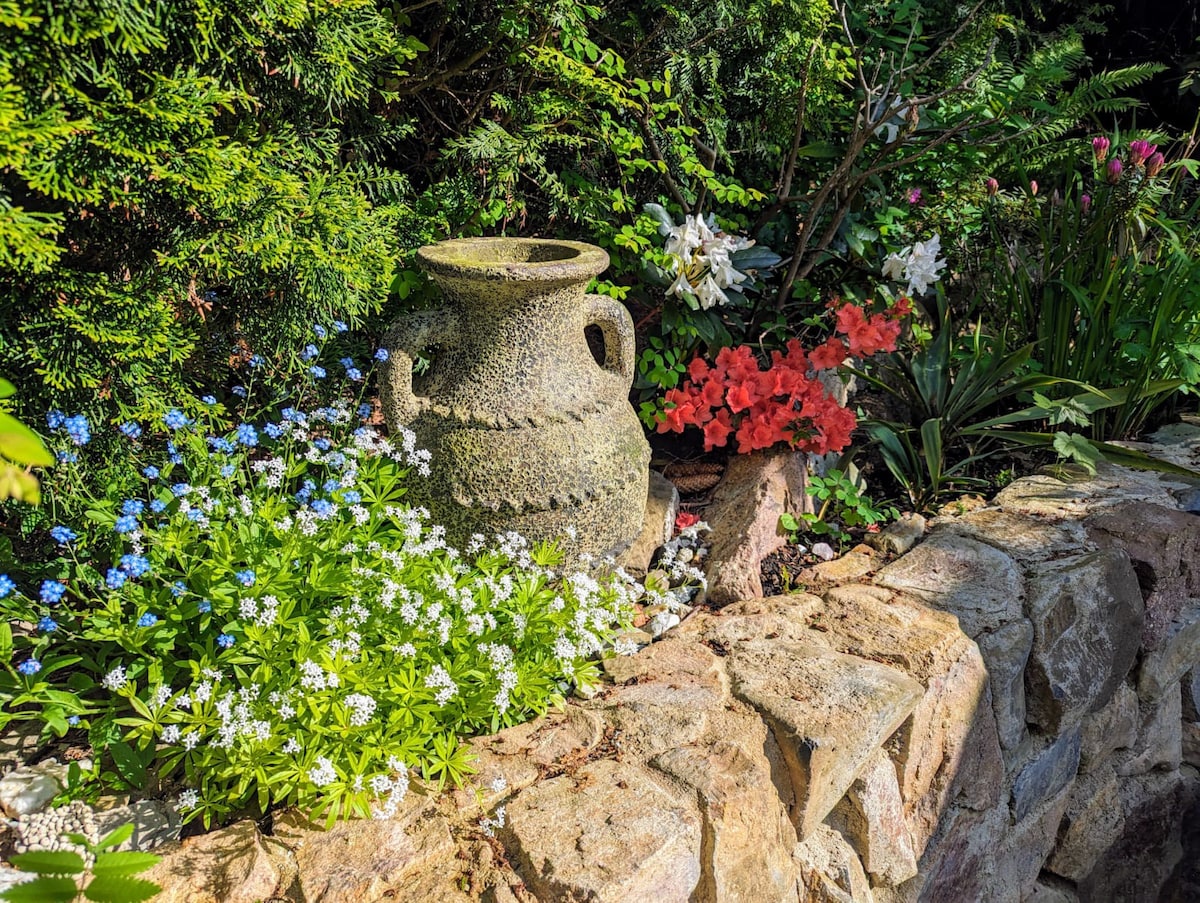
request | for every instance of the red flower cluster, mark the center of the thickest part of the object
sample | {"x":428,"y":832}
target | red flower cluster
{"x":786,"y":402}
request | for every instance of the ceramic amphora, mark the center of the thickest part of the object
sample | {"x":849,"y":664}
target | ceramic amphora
{"x":527,"y":431}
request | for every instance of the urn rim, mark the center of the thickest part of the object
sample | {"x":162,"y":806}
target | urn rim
{"x":514,"y":259}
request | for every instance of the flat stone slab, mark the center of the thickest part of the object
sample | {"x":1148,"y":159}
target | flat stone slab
{"x":828,"y":711}
{"x":971,"y":580}
{"x":607,"y":834}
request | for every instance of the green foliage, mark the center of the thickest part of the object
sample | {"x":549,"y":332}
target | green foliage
{"x":19,"y":445}
{"x":99,"y":873}
{"x":843,"y":507}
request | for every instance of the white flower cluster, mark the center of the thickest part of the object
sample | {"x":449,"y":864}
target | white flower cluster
{"x":917,"y":264}
{"x":702,"y":260}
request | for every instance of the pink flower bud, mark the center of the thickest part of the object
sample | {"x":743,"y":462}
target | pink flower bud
{"x":1033,"y":188}
{"x":992,"y":187}
{"x":1114,"y":170}
{"x":1154,"y":164}
{"x":1085,"y":203}
{"x":1140,"y":150}
{"x":914,"y":196}
{"x":1100,"y":146}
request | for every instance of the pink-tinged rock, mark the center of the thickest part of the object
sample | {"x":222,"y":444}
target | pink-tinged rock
{"x":410,"y":856}
{"x":229,"y":865}
{"x":747,"y":838}
{"x":606,"y":834}
{"x":831,"y":871}
{"x":744,"y":514}
{"x":1087,"y":617}
{"x":1005,"y":652}
{"x":829,"y":713}
{"x":1021,"y":851}
{"x":958,"y":864}
{"x":978,"y":584}
{"x":871,"y":817}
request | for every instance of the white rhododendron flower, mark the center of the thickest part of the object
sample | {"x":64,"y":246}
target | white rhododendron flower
{"x":918,"y":264}
{"x":702,"y":260}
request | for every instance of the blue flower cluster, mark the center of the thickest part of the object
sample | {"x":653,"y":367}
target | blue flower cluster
{"x":76,"y":426}
{"x":62,"y":535}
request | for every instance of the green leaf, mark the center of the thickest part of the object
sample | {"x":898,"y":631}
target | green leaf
{"x":120,"y":889}
{"x":7,"y":389}
{"x":125,"y":863}
{"x":665,"y":223}
{"x":1076,"y":448}
{"x":42,"y":890}
{"x":21,"y":444}
{"x":46,"y":862}
{"x":128,"y":763}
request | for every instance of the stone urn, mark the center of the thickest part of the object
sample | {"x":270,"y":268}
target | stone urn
{"x":528,"y":430}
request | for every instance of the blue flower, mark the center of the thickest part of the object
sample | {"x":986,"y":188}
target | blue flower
{"x":78,"y":430}
{"x":221,"y":444}
{"x":274,"y":430}
{"x":67,"y":457}
{"x":239,"y":391}
{"x":323,"y":507}
{"x":354,"y":374}
{"x":336,"y":460}
{"x":72,"y":720}
{"x":292,"y":415}
{"x":364,"y":411}
{"x":176,"y":419}
{"x":126,"y":523}
{"x":309,"y":352}
{"x":178,"y":588}
{"x":205,"y":606}
{"x":382,"y":355}
{"x":181,"y":489}
{"x":347,"y":362}
{"x":208,"y":399}
{"x":62,"y":535}
{"x":55,"y":419}
{"x":319,"y":331}
{"x":322,"y":443}
{"x":52,"y":591}
{"x":173,"y":454}
{"x":6,"y":585}
{"x":339,"y":326}
{"x":135,"y":565}
{"x":317,"y":372}
{"x":350,"y":497}
{"x":29,"y":667}
{"x":228,"y":470}
{"x":130,"y":429}
{"x":133,"y":506}
{"x":245,"y":578}
{"x":47,"y":624}
{"x":147,"y":620}
{"x":115,"y":578}
{"x":195,"y":515}
{"x":331,"y":486}
{"x":257,"y":360}
{"x":150,"y":472}
{"x":158,"y":506}
{"x":225,"y":640}
{"x":247,"y":435}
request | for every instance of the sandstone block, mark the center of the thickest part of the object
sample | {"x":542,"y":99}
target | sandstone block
{"x":1111,"y":728}
{"x":608,"y":834}
{"x":1087,"y":622}
{"x":229,"y":865}
{"x":899,"y":536}
{"x":829,"y":712}
{"x":1025,"y":538}
{"x":1005,"y":651}
{"x":1174,"y":655}
{"x":1093,"y":822}
{"x":871,"y":817}
{"x":1159,"y":741}
{"x":977,"y":583}
{"x":1050,"y":497}
{"x":831,"y":869}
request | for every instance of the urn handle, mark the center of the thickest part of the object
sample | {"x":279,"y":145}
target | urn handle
{"x":409,"y":335}
{"x":616,"y":325}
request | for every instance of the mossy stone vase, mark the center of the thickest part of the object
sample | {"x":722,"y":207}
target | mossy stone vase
{"x":527,"y":430}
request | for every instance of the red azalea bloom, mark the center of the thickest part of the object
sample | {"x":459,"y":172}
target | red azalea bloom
{"x":717,"y":430}
{"x":829,"y":355}
{"x":685,"y":519}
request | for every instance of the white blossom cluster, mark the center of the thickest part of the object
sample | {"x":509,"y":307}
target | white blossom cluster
{"x":917,"y":264}
{"x":702,"y":260}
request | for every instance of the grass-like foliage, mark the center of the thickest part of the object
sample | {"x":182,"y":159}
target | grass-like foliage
{"x":275,"y":625}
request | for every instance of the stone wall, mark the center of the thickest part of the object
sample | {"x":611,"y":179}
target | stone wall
{"x":1007,"y":712}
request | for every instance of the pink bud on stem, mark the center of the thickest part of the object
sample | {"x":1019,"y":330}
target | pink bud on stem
{"x":1100,"y":146}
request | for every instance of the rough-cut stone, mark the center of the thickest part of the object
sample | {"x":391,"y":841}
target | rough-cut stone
{"x":675,"y":661}
{"x":1046,"y":892}
{"x":1022,"y":849}
{"x":871,"y":817}
{"x":30,"y":788}
{"x":1005,"y":651}
{"x":744,"y":514}
{"x":658,"y":525}
{"x":1137,"y":865}
{"x":958,"y":864}
{"x":231,"y":865}
{"x":608,"y":834}
{"x":1028,"y":539}
{"x":977,"y":583}
{"x":779,"y":617}
{"x":856,"y":564}
{"x":154,"y":823}
{"x":1045,"y":773}
{"x":1163,"y":545}
{"x":370,"y":859}
{"x":1093,"y":822}
{"x":1190,"y":686}
{"x":899,"y":536}
{"x":829,"y":712}
{"x":1159,"y":741}
{"x":1177,"y":650}
{"x":832,"y":872}
{"x":747,"y":837}
{"x":950,"y":749}
{"x":1087,"y":623}
{"x":1111,"y":728}
{"x":1190,"y":742}
{"x":1111,"y":486}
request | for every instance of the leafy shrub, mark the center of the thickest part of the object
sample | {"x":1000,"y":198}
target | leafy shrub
{"x":108,"y":873}
{"x":844,"y":505}
{"x":19,"y":445}
{"x":276,"y":626}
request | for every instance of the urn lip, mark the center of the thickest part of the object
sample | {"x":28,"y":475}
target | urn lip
{"x":514,"y":259}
